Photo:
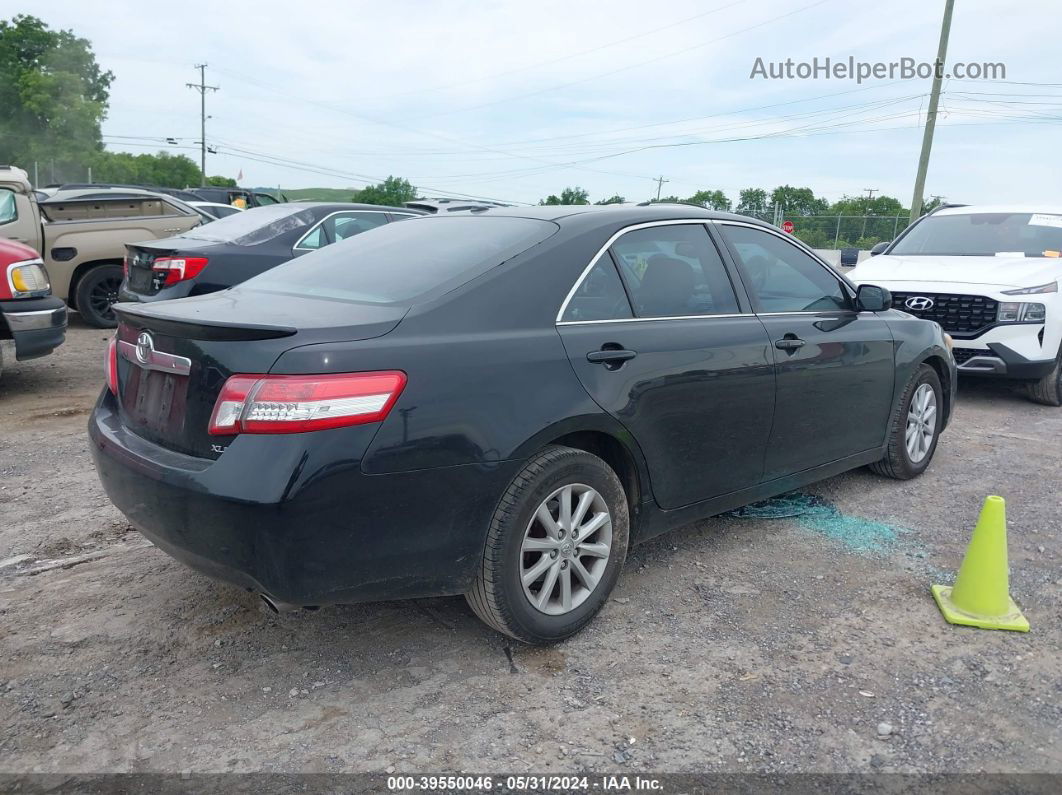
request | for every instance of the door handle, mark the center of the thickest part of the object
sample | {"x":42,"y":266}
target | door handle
{"x":608,"y":356}
{"x":789,"y":343}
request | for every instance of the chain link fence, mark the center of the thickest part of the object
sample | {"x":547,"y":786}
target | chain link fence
{"x":837,"y":231}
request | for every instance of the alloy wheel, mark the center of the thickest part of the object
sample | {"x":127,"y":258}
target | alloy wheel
{"x":565,"y":549}
{"x":104,"y":293}
{"x":921,"y":423}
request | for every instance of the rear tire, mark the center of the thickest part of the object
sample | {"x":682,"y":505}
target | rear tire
{"x":1048,"y":390}
{"x":548,"y":569}
{"x":913,"y":434}
{"x":96,"y":291}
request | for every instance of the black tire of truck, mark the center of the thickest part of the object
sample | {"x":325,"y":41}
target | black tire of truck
{"x":96,"y":291}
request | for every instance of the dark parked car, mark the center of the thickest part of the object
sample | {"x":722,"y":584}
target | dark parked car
{"x":232,"y":249}
{"x":496,"y":404}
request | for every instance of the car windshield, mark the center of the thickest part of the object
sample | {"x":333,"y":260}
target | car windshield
{"x":984,"y":235}
{"x":397,"y":262}
{"x":257,"y":225}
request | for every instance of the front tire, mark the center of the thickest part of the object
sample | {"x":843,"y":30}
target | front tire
{"x":555,"y":547}
{"x":1048,"y":390}
{"x":914,"y":428}
{"x":96,"y":291}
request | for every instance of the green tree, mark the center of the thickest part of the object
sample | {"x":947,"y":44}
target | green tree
{"x":752,"y":201}
{"x":667,"y":200}
{"x":393,"y":192}
{"x":798,"y":201}
{"x":568,"y":196}
{"x":712,"y":199}
{"x":163,"y":169}
{"x":221,"y":182}
{"x":615,"y":198}
{"x":53,"y":97}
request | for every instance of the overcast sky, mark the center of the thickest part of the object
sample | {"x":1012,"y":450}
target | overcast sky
{"x":516,"y":100}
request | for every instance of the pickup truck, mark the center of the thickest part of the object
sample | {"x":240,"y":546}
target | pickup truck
{"x":32,"y":321}
{"x":82,"y":234}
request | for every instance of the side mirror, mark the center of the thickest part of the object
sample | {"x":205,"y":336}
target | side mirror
{"x":871,"y":298}
{"x":879,"y":248}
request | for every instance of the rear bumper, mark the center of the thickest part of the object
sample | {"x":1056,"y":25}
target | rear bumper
{"x":37,"y":325}
{"x":274,"y":516}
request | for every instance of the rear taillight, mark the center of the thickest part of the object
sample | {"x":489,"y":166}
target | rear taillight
{"x":125,"y":267}
{"x":112,"y":365}
{"x":178,"y":269}
{"x":297,"y":403}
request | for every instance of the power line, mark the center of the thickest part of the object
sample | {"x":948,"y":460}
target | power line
{"x":626,"y":68}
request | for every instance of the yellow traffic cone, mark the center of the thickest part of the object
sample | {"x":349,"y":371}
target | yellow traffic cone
{"x":981,"y":595}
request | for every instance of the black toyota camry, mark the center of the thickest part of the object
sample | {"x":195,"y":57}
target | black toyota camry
{"x":232,"y":249}
{"x":498,"y":403}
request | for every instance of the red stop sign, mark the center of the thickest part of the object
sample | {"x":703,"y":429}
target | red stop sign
{"x":787,"y":226}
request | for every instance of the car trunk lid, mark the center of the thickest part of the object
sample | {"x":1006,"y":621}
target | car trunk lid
{"x":175,"y":356}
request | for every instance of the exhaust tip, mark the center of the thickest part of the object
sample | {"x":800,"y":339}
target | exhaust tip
{"x":283,"y":607}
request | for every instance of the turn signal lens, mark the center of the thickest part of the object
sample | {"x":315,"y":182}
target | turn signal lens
{"x":27,"y":278}
{"x":112,"y":365}
{"x":178,"y":269}
{"x":298,"y":403}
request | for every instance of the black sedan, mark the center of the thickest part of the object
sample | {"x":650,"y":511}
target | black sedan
{"x":234,"y":248}
{"x":498,"y":403}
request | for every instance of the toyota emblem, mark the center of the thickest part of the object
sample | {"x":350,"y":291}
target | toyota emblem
{"x":144,"y":347}
{"x":919,"y":303}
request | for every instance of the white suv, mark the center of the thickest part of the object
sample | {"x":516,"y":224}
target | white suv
{"x":990,"y":276}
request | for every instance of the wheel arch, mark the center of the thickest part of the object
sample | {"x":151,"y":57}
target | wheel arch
{"x":943,"y":371}
{"x":606,"y":438}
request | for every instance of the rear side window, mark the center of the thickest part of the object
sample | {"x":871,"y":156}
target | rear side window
{"x":257,"y":225}
{"x":674,"y":270}
{"x":600,"y":296}
{"x":397,"y":262}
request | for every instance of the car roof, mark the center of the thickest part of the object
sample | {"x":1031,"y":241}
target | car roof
{"x":356,"y":206}
{"x":615,"y":213}
{"x":967,"y":209}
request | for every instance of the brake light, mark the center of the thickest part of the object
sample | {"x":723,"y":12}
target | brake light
{"x":112,"y":365}
{"x":178,"y":269}
{"x":298,"y":403}
{"x":125,"y":267}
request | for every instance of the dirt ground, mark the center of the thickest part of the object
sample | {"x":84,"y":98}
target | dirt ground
{"x":730,"y":645}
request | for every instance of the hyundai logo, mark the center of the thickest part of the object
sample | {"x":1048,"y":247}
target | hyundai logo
{"x":919,"y":303}
{"x":145,"y":346}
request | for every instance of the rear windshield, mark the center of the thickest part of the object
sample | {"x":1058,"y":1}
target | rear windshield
{"x":985,"y":235}
{"x":396,"y":262}
{"x":257,"y":225}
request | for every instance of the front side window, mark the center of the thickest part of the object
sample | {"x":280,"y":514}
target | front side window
{"x":782,"y":278}
{"x":600,"y":296}
{"x":674,"y":270}
{"x":8,"y":210}
{"x":984,"y":235}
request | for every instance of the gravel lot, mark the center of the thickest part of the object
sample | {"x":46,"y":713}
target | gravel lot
{"x":730,"y":645}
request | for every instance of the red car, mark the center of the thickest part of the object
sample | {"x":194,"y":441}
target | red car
{"x":32,"y":320}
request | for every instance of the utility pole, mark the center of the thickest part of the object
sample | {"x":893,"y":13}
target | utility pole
{"x":871,"y":192}
{"x":659,"y":184}
{"x":931,"y":116}
{"x":866,"y":207}
{"x":202,"y":88}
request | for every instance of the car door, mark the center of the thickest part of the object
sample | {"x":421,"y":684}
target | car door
{"x":669,"y":350}
{"x":835,"y":366}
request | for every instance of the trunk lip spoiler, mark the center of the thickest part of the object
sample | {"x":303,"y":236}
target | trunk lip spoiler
{"x":135,"y":314}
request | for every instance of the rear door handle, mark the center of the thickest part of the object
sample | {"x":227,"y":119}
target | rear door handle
{"x":609,"y":355}
{"x":789,"y":344}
